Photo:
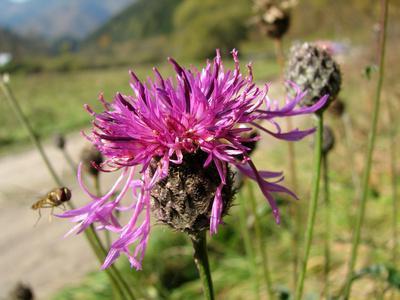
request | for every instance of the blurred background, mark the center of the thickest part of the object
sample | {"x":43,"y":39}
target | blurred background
{"x":62,"y":54}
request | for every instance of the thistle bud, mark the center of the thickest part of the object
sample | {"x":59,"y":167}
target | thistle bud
{"x":252,"y":145}
{"x":184,"y":199}
{"x":273,"y":20}
{"x":337,"y":108}
{"x":21,"y":292}
{"x":90,"y":158}
{"x":59,"y":141}
{"x":328,"y":140}
{"x":314,"y":71}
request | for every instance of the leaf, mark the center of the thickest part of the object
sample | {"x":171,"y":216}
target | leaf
{"x":369,"y":70}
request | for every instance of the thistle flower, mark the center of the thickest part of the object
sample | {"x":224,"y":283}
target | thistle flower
{"x":156,"y":131}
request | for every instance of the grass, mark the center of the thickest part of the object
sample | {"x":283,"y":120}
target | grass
{"x":53,"y":101}
{"x":169,"y":272}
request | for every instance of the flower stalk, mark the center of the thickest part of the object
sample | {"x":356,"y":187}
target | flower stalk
{"x":312,"y":208}
{"x":328,"y":225}
{"x":12,"y":101}
{"x":260,"y":241}
{"x":370,"y":150}
{"x":200,"y":256}
{"x":247,"y":241}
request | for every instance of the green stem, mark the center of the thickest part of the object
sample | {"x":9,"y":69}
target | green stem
{"x":12,"y":101}
{"x":116,"y":285}
{"x":261,"y":243}
{"x":370,"y":150}
{"x":113,"y":269}
{"x":69,"y":160}
{"x":200,"y":256}
{"x":90,"y":233}
{"x":327,"y":246}
{"x":312,"y":208}
{"x":107,"y":237}
{"x":247,"y":240}
{"x":348,"y":133}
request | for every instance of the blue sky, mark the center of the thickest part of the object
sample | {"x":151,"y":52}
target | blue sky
{"x":19,"y":1}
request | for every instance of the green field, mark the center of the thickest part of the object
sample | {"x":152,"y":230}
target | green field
{"x":53,"y":101}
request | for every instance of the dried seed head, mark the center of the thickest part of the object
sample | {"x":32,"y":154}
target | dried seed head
{"x":59,"y":141}
{"x":89,"y":156}
{"x":337,"y":108}
{"x":273,"y":20}
{"x":184,"y":199}
{"x":314,"y":71}
{"x":328,"y":140}
{"x":21,"y":292}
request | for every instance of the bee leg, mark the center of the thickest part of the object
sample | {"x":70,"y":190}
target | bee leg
{"x":37,"y":221}
{"x":51,"y":214}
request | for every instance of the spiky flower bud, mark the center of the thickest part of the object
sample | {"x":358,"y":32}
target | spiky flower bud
{"x":273,"y":20}
{"x":21,"y":292}
{"x":59,"y":141}
{"x":184,"y":199}
{"x":314,"y":71}
{"x":90,"y":158}
{"x":337,"y":108}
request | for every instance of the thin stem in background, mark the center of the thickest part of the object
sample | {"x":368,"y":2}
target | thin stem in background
{"x":107,"y":236}
{"x":370,"y":150}
{"x":12,"y":101}
{"x":69,"y":160}
{"x":247,"y":240}
{"x":327,"y":219}
{"x":312,"y":208}
{"x":90,"y":234}
{"x":200,"y":256}
{"x":348,"y":133}
{"x":259,"y":239}
{"x":294,"y":208}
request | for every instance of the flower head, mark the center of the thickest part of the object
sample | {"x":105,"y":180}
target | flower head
{"x":203,"y":114}
{"x":315,"y":70}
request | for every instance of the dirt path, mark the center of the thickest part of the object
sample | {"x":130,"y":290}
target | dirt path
{"x":38,"y":256}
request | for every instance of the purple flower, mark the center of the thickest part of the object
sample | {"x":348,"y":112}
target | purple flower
{"x":207,"y":110}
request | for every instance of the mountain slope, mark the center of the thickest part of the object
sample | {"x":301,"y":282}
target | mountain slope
{"x":17,"y":46}
{"x":142,"y":19}
{"x":54,"y":19}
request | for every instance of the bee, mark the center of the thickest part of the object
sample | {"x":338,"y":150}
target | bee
{"x":56,"y":197}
